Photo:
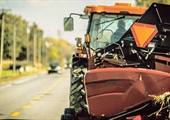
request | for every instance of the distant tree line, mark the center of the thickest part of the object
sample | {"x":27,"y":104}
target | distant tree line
{"x":147,"y":3}
{"x":14,"y":25}
{"x":30,"y":45}
{"x":58,"y":50}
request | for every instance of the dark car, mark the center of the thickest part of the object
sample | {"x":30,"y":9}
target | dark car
{"x":54,"y":67}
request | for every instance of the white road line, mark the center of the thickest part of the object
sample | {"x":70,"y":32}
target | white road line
{"x":6,"y":86}
{"x":19,"y":81}
{"x":25,"y":80}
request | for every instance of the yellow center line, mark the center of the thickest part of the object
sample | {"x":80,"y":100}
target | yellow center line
{"x":39,"y":96}
{"x":55,"y":84}
{"x":15,"y":114}
{"x":33,"y":101}
{"x":26,"y":106}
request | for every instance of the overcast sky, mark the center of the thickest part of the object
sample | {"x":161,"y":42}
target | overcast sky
{"x":49,"y":14}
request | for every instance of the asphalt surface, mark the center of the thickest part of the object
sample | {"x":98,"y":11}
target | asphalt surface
{"x":39,"y":97}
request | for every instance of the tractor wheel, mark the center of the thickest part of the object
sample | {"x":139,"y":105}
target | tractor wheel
{"x":77,"y":90}
{"x":70,"y":111}
{"x":67,"y":117}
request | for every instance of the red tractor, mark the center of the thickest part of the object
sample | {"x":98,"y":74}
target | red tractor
{"x":121,"y":71}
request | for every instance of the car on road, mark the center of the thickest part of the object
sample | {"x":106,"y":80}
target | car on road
{"x":54,"y":67}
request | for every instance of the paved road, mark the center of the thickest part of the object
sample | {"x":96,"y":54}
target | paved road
{"x":37,"y":97}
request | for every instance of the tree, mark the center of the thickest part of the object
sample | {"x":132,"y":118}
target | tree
{"x":15,"y":31}
{"x":10,"y":22}
{"x":147,"y":3}
{"x":58,"y":50}
{"x":35,"y":44}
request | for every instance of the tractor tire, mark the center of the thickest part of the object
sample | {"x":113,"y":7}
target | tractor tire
{"x":67,"y":117}
{"x":77,"y":89}
{"x":70,"y":111}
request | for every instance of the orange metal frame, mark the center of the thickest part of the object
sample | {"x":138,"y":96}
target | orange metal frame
{"x":117,"y":8}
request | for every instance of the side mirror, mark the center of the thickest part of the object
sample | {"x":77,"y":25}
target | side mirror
{"x":68,"y":24}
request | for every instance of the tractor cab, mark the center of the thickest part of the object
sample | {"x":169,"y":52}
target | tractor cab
{"x":107,"y":24}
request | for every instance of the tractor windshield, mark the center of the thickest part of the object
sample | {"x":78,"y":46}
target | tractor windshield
{"x":108,"y":28}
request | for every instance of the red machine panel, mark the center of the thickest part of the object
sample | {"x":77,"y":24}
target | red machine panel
{"x":114,"y":90}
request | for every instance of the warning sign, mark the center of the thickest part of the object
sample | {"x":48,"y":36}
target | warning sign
{"x":143,"y":33}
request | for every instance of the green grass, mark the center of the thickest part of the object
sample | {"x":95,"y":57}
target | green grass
{"x":9,"y":75}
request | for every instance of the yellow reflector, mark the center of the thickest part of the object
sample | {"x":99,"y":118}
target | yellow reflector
{"x":87,"y":38}
{"x":143,"y":33}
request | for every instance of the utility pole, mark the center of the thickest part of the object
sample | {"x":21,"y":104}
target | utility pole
{"x":28,"y":46}
{"x":14,"y":48}
{"x":46,"y":52}
{"x":35,"y":46}
{"x":2,"y":42}
{"x":28,"y":54}
{"x":39,"y":47}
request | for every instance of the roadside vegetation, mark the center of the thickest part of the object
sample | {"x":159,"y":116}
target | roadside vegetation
{"x":25,"y":47}
{"x":8,"y":75}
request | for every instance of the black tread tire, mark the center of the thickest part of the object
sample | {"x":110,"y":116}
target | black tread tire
{"x":67,"y":117}
{"x":77,"y":90}
{"x":70,"y":111}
